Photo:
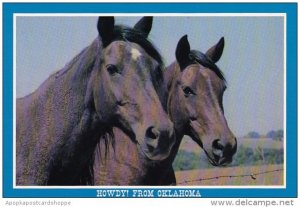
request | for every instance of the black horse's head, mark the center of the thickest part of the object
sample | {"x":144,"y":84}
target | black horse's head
{"x":124,"y":86}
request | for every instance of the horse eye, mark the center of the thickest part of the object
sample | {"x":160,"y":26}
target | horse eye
{"x":188,"y":91}
{"x":112,"y":69}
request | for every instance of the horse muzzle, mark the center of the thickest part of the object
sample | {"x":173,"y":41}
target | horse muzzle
{"x":222,"y":153}
{"x":158,"y":143}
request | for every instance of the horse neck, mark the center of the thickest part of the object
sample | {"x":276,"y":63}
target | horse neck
{"x":54,"y":116}
{"x":77,"y":71}
{"x":61,"y":96}
{"x":170,"y":74}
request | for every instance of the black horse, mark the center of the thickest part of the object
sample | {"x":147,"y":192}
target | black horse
{"x":111,"y":83}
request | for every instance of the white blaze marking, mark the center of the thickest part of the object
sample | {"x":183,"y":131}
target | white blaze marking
{"x":135,"y":54}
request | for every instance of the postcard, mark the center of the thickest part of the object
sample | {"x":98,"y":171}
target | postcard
{"x":149,"y":100}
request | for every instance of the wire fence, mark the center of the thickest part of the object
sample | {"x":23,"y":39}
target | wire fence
{"x":251,"y":175}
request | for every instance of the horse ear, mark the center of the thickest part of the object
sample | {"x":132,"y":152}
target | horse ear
{"x":105,"y":28}
{"x":144,"y":26}
{"x":182,"y":52}
{"x":215,"y":52}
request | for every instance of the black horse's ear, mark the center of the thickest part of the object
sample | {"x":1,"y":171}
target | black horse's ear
{"x":105,"y":28}
{"x":144,"y":26}
{"x":215,"y":52}
{"x":182,"y":52}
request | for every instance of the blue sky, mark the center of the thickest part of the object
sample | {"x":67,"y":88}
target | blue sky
{"x":253,"y":58}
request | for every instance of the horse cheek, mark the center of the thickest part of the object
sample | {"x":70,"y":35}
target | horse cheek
{"x":179,"y":108}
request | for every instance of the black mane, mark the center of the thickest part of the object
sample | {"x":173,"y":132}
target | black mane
{"x":125,"y":33}
{"x":199,"y":57}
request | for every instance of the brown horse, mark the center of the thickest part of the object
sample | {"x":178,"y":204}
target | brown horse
{"x":111,"y":83}
{"x":192,"y":93}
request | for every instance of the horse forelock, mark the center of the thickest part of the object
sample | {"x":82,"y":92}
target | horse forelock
{"x":124,"y":33}
{"x":199,"y":57}
{"x":128,"y":34}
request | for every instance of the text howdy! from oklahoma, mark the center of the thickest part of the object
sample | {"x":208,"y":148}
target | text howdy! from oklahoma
{"x":148,"y":193}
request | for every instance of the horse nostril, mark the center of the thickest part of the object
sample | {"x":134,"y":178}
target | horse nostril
{"x":223,"y":151}
{"x":217,"y":144}
{"x":218,"y":149}
{"x":152,"y":133}
{"x":230,"y":149}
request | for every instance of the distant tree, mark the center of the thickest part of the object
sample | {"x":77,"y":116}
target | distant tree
{"x":278,"y":135}
{"x":187,"y":161}
{"x":247,"y":156}
{"x":253,"y":134}
{"x":271,"y":134}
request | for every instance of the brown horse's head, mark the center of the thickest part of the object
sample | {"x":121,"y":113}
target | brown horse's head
{"x":125,"y":84}
{"x":195,"y":101}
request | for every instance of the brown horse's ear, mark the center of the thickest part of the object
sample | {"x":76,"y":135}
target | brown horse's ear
{"x":182,"y":52}
{"x":105,"y":28}
{"x":215,"y":52}
{"x":144,"y":26}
